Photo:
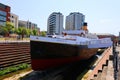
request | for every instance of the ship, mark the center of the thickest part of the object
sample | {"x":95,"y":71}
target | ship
{"x":72,"y":46}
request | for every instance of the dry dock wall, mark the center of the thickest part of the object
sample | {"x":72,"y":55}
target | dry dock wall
{"x":13,"y":53}
{"x":100,"y":69}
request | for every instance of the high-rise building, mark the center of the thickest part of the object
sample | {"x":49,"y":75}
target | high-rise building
{"x":14,"y":20}
{"x":4,"y":14}
{"x":74,"y":21}
{"x":119,"y":38}
{"x":119,"y":34}
{"x":55,"y":23}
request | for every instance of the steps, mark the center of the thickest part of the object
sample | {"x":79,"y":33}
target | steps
{"x":107,"y":73}
{"x":103,"y":67}
{"x":104,"y":73}
{"x":98,"y":76}
{"x":110,"y":71}
{"x":14,"y":53}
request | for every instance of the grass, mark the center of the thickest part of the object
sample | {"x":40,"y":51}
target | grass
{"x":10,"y":71}
{"x":14,"y":73}
{"x":13,"y":68}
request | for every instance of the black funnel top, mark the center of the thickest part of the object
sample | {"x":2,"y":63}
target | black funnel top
{"x":84,"y":24}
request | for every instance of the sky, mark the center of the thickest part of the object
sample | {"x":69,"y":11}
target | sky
{"x":102,"y":16}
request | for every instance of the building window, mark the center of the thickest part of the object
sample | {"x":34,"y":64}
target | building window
{"x":12,"y":21}
{"x":3,"y":13}
{"x":12,"y":16}
{"x":2,"y":23}
{"x":2,"y":18}
{"x":2,"y":6}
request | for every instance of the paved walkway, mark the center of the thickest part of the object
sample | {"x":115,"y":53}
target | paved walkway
{"x":18,"y":75}
{"x":118,"y":49}
{"x":10,"y":41}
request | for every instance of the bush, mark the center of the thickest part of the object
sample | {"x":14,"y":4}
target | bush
{"x":13,"y":68}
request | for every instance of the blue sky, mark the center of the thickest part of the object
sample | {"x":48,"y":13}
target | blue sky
{"x":103,"y":16}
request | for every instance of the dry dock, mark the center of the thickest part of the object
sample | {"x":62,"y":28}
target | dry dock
{"x":110,"y":71}
{"x":103,"y":68}
{"x":99,"y":67}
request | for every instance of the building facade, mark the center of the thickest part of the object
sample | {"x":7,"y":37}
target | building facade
{"x":74,"y":21}
{"x":14,"y":19}
{"x":4,"y":14}
{"x":55,"y":23}
{"x":119,"y":38}
{"x":27,"y":24}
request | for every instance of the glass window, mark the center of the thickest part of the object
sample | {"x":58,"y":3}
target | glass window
{"x":2,"y":18}
{"x":2,"y":23}
{"x":3,"y":13}
{"x":2,"y":6}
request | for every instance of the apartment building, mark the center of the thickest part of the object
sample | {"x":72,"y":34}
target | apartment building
{"x":14,"y":19}
{"x":74,"y":21}
{"x":55,"y":23}
{"x":27,"y":24}
{"x":4,"y":14}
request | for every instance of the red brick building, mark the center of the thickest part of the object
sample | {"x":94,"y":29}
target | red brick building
{"x":4,"y":13}
{"x":113,"y":37}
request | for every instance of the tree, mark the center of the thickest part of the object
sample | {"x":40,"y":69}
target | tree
{"x":13,"y":30}
{"x":7,"y":28}
{"x":22,"y":31}
{"x":1,"y":30}
{"x":35,"y":32}
{"x":29,"y":32}
{"x":5,"y":32}
{"x":16,"y":30}
{"x":43,"y":33}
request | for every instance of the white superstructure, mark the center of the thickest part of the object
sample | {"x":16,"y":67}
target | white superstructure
{"x":89,"y":39}
{"x":75,"y":40}
{"x":80,"y":33}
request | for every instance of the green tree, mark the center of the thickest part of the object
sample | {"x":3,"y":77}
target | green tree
{"x":43,"y":33}
{"x":35,"y":32}
{"x":16,"y":30}
{"x":7,"y":28}
{"x":5,"y":32}
{"x":13,"y":30}
{"x":1,"y":30}
{"x":29,"y":32}
{"x":21,"y":31}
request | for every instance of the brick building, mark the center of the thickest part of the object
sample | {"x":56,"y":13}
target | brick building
{"x":4,"y":14}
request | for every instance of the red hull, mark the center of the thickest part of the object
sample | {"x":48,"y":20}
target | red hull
{"x":43,"y":64}
{"x":45,"y":55}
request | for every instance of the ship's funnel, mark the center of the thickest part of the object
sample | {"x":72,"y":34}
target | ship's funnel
{"x":84,"y":24}
{"x":85,"y":27}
